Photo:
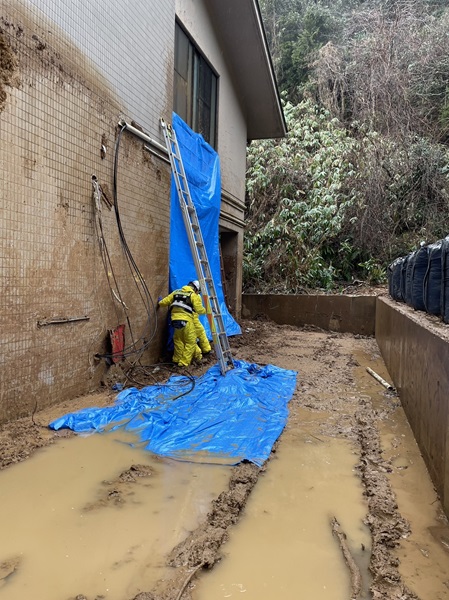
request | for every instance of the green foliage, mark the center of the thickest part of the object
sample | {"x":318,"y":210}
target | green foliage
{"x":298,"y":193}
{"x":373,"y":272}
{"x":363,"y":174}
{"x":296,"y":29}
{"x":314,"y":30}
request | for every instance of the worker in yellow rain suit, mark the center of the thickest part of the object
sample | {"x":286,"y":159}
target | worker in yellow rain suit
{"x":203,"y":346}
{"x":184,"y":303}
{"x":202,"y":341}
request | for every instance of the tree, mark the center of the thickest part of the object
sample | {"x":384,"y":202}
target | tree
{"x":363,"y":175}
{"x":299,"y":190}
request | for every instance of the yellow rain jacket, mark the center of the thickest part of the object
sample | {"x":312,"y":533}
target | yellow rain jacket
{"x":184,"y":303}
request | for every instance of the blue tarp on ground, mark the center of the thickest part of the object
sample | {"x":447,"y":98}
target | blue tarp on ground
{"x":202,"y":168}
{"x":223,"y":419}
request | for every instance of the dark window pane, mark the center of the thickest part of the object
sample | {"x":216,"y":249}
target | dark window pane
{"x":180,"y":98}
{"x":204,"y":120}
{"x":205,"y":75}
{"x":183,"y":78}
{"x":213,"y":111}
{"x":181,"y":53}
{"x":195,"y":88}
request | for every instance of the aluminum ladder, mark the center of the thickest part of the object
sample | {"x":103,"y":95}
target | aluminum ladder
{"x":198,"y":249}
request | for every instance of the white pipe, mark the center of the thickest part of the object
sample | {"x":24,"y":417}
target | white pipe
{"x":143,"y":136}
{"x":155,"y":153}
{"x":380,"y":379}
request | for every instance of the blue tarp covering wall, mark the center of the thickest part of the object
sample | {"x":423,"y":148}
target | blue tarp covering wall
{"x":223,"y":419}
{"x":202,"y":167}
{"x":214,"y":418}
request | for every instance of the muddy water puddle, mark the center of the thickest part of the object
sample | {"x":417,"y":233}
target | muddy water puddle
{"x":283,"y":546}
{"x":424,"y":554}
{"x":95,"y":516}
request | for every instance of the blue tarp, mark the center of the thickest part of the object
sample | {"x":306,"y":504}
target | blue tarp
{"x":223,"y":419}
{"x":202,"y":167}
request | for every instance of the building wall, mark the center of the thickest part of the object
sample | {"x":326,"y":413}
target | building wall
{"x":69,"y":72}
{"x":232,"y":138}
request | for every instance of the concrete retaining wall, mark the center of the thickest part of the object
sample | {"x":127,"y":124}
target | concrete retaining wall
{"x":347,"y":314}
{"x":415,"y":349}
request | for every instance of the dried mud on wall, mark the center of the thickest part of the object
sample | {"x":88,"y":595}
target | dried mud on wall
{"x":59,"y":127}
{"x":7,"y":67}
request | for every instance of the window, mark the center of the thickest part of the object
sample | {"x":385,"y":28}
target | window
{"x":195,"y":88}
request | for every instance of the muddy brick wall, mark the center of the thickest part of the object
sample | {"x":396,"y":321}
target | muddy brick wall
{"x":65,"y":82}
{"x":415,"y":349}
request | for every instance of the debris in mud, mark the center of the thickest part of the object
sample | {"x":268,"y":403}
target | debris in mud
{"x":8,"y":568}
{"x":118,"y":491}
{"x":202,"y":545}
{"x":356,"y":578}
{"x":134,"y":472}
{"x":20,"y":439}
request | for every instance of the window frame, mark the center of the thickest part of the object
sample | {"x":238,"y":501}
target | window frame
{"x":187,"y":87}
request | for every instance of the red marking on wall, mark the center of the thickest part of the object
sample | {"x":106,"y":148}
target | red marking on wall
{"x":117,"y":336}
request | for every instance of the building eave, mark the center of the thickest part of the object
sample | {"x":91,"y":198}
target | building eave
{"x":242,"y":36}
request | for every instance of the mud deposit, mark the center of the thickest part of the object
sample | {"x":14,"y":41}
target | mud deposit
{"x":335,"y":399}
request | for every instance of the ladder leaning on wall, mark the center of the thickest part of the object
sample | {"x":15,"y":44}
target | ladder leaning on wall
{"x":198,"y":249}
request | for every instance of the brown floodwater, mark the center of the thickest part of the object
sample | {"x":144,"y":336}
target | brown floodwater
{"x":424,"y":554}
{"x":68,"y":528}
{"x":283,"y":546}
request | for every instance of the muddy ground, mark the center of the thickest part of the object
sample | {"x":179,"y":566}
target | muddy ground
{"x":326,"y":404}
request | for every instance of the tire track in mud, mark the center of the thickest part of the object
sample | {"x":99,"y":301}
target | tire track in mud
{"x":384,"y":520}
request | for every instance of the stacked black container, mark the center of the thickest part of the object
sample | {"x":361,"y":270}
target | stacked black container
{"x":421,"y":279}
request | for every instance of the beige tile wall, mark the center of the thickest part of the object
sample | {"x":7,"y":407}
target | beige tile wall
{"x":58,"y":109}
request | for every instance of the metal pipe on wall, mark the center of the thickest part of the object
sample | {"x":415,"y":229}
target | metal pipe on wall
{"x":146,"y":138}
